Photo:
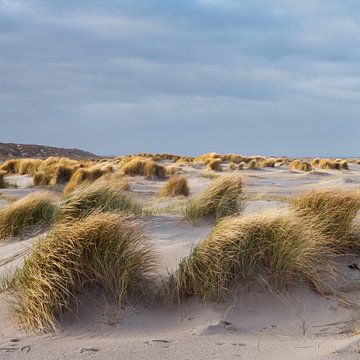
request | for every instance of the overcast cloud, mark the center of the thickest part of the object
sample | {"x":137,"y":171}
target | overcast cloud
{"x":191,"y":76}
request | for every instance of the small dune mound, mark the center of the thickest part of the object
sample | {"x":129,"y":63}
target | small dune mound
{"x":40,"y":178}
{"x":300,"y":165}
{"x":104,"y":251}
{"x":223,"y":197}
{"x":333,"y":211}
{"x":36,"y":209}
{"x":175,"y":186}
{"x":144,"y":167}
{"x":63,"y":174}
{"x":268,"y":163}
{"x":279,"y":248}
{"x":10,"y":166}
{"x":253,"y":165}
{"x":102,"y":195}
{"x":214,"y":164}
{"x":84,"y":175}
{"x":28,"y":166}
{"x":331,"y":164}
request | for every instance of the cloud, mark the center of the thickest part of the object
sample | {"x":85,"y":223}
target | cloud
{"x":253,"y":67}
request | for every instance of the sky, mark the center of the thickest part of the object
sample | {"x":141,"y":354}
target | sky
{"x":182,"y":76}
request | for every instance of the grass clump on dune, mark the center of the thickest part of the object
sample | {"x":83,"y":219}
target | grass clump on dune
{"x":175,"y":186}
{"x":144,"y":167}
{"x":104,"y":250}
{"x":10,"y":166}
{"x":37,"y":209}
{"x":28,"y":166}
{"x":253,"y":165}
{"x":103,"y":196}
{"x":63,"y":174}
{"x":299,"y":165}
{"x":40,"y":178}
{"x":83,"y":175}
{"x":281,"y":248}
{"x":222,"y":198}
{"x":214,"y":164}
{"x":334,"y":212}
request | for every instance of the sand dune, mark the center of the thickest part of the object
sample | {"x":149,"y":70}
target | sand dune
{"x":252,"y":323}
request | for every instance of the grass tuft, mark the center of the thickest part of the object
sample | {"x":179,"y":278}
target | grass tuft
{"x":222,"y":198}
{"x":40,"y":178}
{"x":104,"y":251}
{"x":281,"y":248}
{"x":101,"y":195}
{"x":334,"y":212}
{"x":36,"y":209}
{"x":175,"y":186}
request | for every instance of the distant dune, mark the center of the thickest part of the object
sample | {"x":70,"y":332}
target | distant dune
{"x":9,"y":150}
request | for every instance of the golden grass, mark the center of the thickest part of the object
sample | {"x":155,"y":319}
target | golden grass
{"x":173,"y":170}
{"x":37,"y":209}
{"x":104,"y":251}
{"x":232,"y":166}
{"x":144,"y":167}
{"x":84,"y":175}
{"x":63,"y":174}
{"x":223,"y":197}
{"x":332,"y":164}
{"x":333,"y":211}
{"x":175,"y":186}
{"x":28,"y":166}
{"x":101,"y":195}
{"x":214,"y":164}
{"x":205,"y":158}
{"x":300,"y":165}
{"x":40,"y":178}
{"x":253,"y":165}
{"x":10,"y":166}
{"x":268,"y":163}
{"x":280,"y":248}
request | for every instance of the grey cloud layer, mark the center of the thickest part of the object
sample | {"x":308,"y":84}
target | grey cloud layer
{"x":184,"y":76}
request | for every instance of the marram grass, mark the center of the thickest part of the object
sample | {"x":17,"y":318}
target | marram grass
{"x":104,"y":250}
{"x":223,"y":197}
{"x":36,"y":209}
{"x":175,"y":186}
{"x":334,"y":213}
{"x":101,"y":195}
{"x":284,"y":246}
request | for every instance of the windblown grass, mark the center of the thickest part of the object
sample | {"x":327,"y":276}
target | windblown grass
{"x":40,"y":178}
{"x":104,"y":251}
{"x":102,"y":196}
{"x":253,"y":165}
{"x":144,"y":167}
{"x":63,"y":174}
{"x":28,"y":166}
{"x":268,"y":163}
{"x":222,"y":198}
{"x":83,"y":175}
{"x":175,"y":186}
{"x":282,"y":245}
{"x":10,"y":166}
{"x":333,"y":211}
{"x":300,"y":165}
{"x":36,"y":209}
{"x":214,"y":164}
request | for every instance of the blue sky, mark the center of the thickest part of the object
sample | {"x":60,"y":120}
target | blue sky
{"x":192,"y":76}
